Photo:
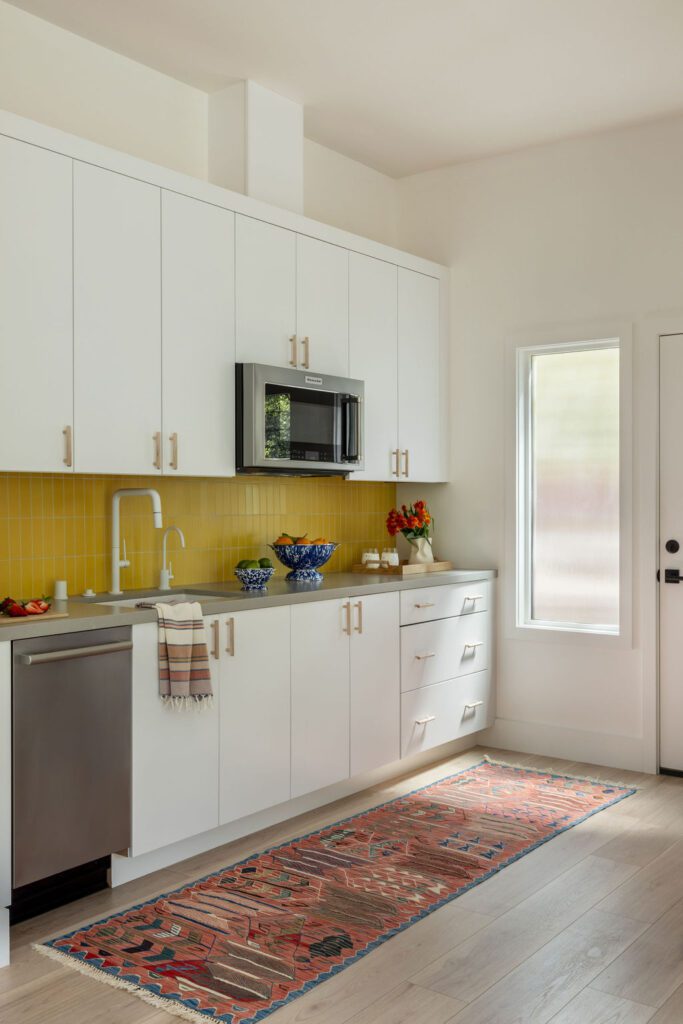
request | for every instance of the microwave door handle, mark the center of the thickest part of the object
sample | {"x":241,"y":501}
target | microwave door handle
{"x":351,"y":428}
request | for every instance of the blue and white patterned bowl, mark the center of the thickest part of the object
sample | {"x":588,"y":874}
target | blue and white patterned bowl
{"x":254,"y":579}
{"x":304,"y":560}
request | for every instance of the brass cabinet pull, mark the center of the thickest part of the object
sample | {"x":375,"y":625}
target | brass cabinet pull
{"x":173,"y":461}
{"x":215,"y":629}
{"x":359,"y":607}
{"x":157,"y":449}
{"x":423,"y":657}
{"x":306,"y":345}
{"x":347,"y":608}
{"x":476,"y":643}
{"x":473,"y":705}
{"x":474,"y":597}
{"x":396,"y":455}
{"x":230,"y":649}
{"x":406,"y":455}
{"x":424,"y":604}
{"x":425,"y":720}
{"x":292,"y":355}
{"x":69,"y":446}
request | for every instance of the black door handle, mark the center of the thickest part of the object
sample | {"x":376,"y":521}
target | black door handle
{"x":672,"y":576}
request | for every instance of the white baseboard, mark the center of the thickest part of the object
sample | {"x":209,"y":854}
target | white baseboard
{"x":125,"y":869}
{"x":627,"y":752}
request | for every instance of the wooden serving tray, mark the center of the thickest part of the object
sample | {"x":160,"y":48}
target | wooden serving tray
{"x":18,"y":619}
{"x":405,"y":569}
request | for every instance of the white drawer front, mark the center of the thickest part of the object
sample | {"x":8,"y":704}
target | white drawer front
{"x":445,"y":711}
{"x":434,"y":651}
{"x":427,"y":603}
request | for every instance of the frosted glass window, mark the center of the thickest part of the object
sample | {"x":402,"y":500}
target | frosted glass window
{"x":572,"y":487}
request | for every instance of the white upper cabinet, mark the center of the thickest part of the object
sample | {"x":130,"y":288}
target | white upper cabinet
{"x":117,"y":323}
{"x":255,"y":712}
{"x":419,"y":373}
{"x":322,"y":305}
{"x":36,"y":324}
{"x":198,"y":337}
{"x":373,"y":358}
{"x":320,"y":694}
{"x":375,"y":710}
{"x":265,"y":293}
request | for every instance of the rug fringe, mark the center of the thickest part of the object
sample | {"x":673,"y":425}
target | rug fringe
{"x":158,"y":1002}
{"x":560,"y":775}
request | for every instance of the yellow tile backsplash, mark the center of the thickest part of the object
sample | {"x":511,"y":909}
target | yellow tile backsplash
{"x":58,"y":526}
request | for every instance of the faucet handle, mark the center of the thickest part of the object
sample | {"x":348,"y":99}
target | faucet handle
{"x":124,"y":563}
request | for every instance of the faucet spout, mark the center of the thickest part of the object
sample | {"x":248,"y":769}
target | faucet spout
{"x":117,"y":563}
{"x":166,"y":574}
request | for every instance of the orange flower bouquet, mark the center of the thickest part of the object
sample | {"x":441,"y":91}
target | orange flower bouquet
{"x":413,"y":522}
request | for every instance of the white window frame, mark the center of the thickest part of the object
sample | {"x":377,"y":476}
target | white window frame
{"x":520,"y":623}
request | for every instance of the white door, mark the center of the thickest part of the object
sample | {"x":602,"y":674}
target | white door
{"x":36,"y":322}
{"x":373,"y":358}
{"x":198,"y":337}
{"x":418,"y":376}
{"x":375,"y":682}
{"x":255,"y":711}
{"x":175,"y":755}
{"x":117,"y":323}
{"x":322,"y":306}
{"x":670,"y":554}
{"x":265,"y":293}
{"x":320,"y":695}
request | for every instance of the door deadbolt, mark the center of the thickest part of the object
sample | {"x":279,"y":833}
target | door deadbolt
{"x":672,"y":546}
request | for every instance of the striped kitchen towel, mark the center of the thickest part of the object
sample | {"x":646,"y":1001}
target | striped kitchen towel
{"x":184,"y":676}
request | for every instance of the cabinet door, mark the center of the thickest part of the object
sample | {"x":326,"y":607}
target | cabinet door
{"x":373,"y":358}
{"x":117,"y":323}
{"x":36,"y":323}
{"x":198,"y":337}
{"x":255,"y":712}
{"x":175,"y":756}
{"x":322,"y":310}
{"x":375,"y":682}
{"x":320,"y":695}
{"x":265,"y":292}
{"x":418,"y":376}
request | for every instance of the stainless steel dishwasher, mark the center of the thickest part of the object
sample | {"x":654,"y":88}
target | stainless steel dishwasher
{"x":71,"y":750}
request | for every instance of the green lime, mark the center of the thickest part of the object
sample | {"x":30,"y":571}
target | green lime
{"x":265,"y":563}
{"x":244,"y":563}
{"x":252,"y":565}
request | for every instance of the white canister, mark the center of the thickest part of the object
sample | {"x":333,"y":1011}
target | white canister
{"x":60,"y":593}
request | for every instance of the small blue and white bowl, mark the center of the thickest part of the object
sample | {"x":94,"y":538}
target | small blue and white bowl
{"x":254,"y":579}
{"x":304,"y":560}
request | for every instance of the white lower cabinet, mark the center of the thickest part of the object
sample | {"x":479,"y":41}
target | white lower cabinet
{"x":445,"y":711}
{"x":443,"y":649}
{"x":254,"y":648}
{"x":320,"y":694}
{"x":175,"y":756}
{"x":375,"y":674}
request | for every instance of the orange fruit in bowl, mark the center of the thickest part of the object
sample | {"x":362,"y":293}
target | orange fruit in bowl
{"x":319,"y":540}
{"x":284,"y":540}
{"x":302,"y":542}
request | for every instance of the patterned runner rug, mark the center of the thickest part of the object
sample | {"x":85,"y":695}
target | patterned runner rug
{"x":242,"y":942}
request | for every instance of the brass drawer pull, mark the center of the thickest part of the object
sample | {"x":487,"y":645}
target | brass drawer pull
{"x":423,"y":657}
{"x":230,"y":649}
{"x":69,"y":446}
{"x":173,"y":463}
{"x":424,"y":721}
{"x":474,"y":704}
{"x":477,"y":643}
{"x":424,"y":604}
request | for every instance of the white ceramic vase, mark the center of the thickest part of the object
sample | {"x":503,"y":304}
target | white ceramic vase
{"x":421,"y":551}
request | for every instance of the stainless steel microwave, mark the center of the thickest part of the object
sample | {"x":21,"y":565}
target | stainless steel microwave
{"x":297,"y":422}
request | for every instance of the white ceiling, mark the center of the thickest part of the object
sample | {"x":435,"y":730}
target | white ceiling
{"x":408,"y":85}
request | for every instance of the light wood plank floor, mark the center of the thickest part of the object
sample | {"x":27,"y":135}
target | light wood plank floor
{"x":588,"y":929}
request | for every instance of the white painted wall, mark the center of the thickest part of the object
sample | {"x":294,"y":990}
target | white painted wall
{"x":349,"y":195}
{"x":567,"y":233}
{"x":60,"y":79}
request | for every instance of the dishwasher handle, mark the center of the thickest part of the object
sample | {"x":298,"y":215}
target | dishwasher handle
{"x":75,"y":652}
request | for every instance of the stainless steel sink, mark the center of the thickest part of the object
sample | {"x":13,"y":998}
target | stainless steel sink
{"x":160,"y":595}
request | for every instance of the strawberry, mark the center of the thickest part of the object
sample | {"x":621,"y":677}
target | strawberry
{"x":33,"y":608}
{"x":16,"y":610}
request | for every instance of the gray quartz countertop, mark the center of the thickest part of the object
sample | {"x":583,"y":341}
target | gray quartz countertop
{"x":218,"y":598}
